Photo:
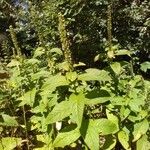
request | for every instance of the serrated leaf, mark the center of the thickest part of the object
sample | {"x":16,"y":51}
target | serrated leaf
{"x":143,"y":143}
{"x":145,"y":66}
{"x":8,"y":120}
{"x":28,"y":98}
{"x":116,"y":67}
{"x":95,"y":74}
{"x":124,"y":139}
{"x":54,"y":81}
{"x":78,"y":102}
{"x":59,"y":112}
{"x":140,"y":129}
{"x":66,"y":138}
{"x":9,"y":143}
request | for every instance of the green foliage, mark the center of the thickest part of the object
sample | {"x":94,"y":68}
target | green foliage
{"x":49,"y":99}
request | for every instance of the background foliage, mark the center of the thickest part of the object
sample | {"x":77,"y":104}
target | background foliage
{"x":74,"y":74}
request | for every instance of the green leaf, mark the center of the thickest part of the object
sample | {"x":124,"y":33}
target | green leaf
{"x":97,"y":96}
{"x":39,"y":52}
{"x":40,"y":74}
{"x":95,"y":74}
{"x":79,"y":64}
{"x":57,"y":51}
{"x":59,"y":112}
{"x":78,"y":102}
{"x":8,"y":120}
{"x":9,"y":143}
{"x":32,"y":61}
{"x":143,"y":143}
{"x":66,"y":138}
{"x":116,"y":67}
{"x":105,"y":126}
{"x":71,"y":76}
{"x":110,"y":142}
{"x":124,"y":139}
{"x":123,"y":52}
{"x":14,"y":63}
{"x":112,"y":118}
{"x":140,"y":129}
{"x":54,"y":81}
{"x":46,"y":140}
{"x":90,"y":134}
{"x":28,"y":98}
{"x":145,"y":66}
{"x":92,"y":138}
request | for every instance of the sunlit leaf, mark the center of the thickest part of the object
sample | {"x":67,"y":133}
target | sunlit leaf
{"x":59,"y":112}
{"x":95,"y":74}
{"x":110,"y":142}
{"x":57,"y":51}
{"x":8,"y":120}
{"x":116,"y":67}
{"x":140,"y":129}
{"x":124,"y":139}
{"x":145,"y":66}
{"x":66,"y":138}
{"x":9,"y":143}
{"x":28,"y":98}
{"x":78,"y":102}
{"x":39,"y":52}
{"x":143,"y":143}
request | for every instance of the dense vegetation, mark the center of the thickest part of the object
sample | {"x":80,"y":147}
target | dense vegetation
{"x":74,"y":74}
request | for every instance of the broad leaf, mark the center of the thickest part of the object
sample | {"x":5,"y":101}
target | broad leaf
{"x":105,"y":126}
{"x":97,"y":97}
{"x":28,"y":98}
{"x":40,"y":74}
{"x":112,"y":118}
{"x":8,"y":120}
{"x":90,"y":135}
{"x":71,"y":76}
{"x":143,"y":143}
{"x":95,"y":74}
{"x":140,"y":129}
{"x":57,"y":51}
{"x":78,"y":102}
{"x":9,"y":143}
{"x":14,"y":63}
{"x":110,"y":142}
{"x":46,"y":140}
{"x":116,"y":67}
{"x":66,"y":138}
{"x":145,"y":66}
{"x":124,"y":139}
{"x":54,"y":81}
{"x":39,"y":52}
{"x":59,"y":112}
{"x":123,"y":52}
